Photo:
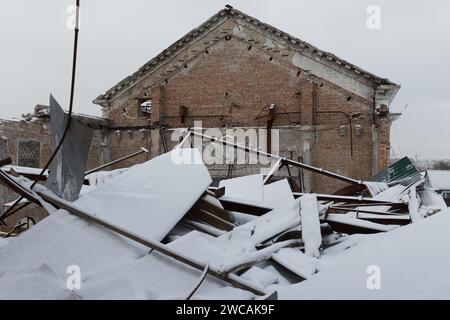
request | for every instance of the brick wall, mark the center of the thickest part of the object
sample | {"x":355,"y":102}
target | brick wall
{"x":231,"y":83}
{"x":37,"y":130}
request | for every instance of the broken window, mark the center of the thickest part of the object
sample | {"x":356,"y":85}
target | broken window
{"x":145,"y":107}
{"x":28,"y":153}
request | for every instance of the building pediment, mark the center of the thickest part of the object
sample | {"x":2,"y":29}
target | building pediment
{"x":229,"y":23}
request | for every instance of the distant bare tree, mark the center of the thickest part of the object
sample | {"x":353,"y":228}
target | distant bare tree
{"x":442,"y":165}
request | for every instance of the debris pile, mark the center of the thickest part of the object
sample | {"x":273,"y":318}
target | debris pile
{"x":159,"y":230}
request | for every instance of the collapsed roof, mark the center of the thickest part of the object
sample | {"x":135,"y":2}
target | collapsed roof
{"x":159,"y":231}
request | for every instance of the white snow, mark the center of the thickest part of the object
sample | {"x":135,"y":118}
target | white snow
{"x":244,"y":188}
{"x":310,"y":225}
{"x":297,"y":262}
{"x":438,"y":179}
{"x":413,"y":206}
{"x":375,"y":187}
{"x":252,"y":189}
{"x":112,"y":266}
{"x":412,"y":260}
{"x":152,"y":197}
{"x":149,"y":200}
{"x":277,"y":193}
{"x":101,"y":177}
{"x":432,"y":199}
{"x":243,"y":239}
{"x":24,"y":170}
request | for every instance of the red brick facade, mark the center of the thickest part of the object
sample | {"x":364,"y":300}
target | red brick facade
{"x":229,"y":77}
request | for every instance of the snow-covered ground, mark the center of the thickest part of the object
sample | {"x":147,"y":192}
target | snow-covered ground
{"x":413,"y":263}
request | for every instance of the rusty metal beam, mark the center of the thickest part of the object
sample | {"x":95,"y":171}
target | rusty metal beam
{"x":284,"y":160}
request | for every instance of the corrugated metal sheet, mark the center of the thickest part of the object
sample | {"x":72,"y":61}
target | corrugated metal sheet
{"x":403,"y":171}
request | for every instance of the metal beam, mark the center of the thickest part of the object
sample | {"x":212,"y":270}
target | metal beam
{"x":106,"y":165}
{"x":284,"y":160}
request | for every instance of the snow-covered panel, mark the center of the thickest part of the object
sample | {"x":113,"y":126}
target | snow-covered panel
{"x":433,"y":200}
{"x":24,"y":170}
{"x":61,"y":240}
{"x":111,"y":266}
{"x":245,"y":188}
{"x":259,"y":204}
{"x":243,"y":239}
{"x":375,"y":187}
{"x":261,"y":277}
{"x":201,"y":247}
{"x":344,"y":219}
{"x":155,"y":277}
{"x":32,"y":284}
{"x":277,"y":193}
{"x":438,"y":179}
{"x":152,"y":197}
{"x":252,"y":189}
{"x":297,"y":262}
{"x":101,"y":177}
{"x":406,"y":263}
{"x":393,"y":194}
{"x":148,"y":200}
{"x":414,"y":206}
{"x":311,"y":234}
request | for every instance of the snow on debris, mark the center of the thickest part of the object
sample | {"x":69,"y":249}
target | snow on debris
{"x":438,"y":179}
{"x":156,"y":231}
{"x":252,"y":188}
{"x":245,"y":188}
{"x":244,"y":238}
{"x":101,"y":177}
{"x":310,"y":225}
{"x":411,"y":260}
{"x":152,"y":197}
{"x":297,"y":262}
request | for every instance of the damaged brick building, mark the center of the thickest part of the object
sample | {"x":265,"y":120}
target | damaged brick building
{"x":226,"y":73}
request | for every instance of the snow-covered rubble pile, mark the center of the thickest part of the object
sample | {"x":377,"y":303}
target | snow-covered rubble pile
{"x":411,"y":262}
{"x":300,"y":247}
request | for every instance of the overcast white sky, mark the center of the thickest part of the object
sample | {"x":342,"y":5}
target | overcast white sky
{"x":117,"y":37}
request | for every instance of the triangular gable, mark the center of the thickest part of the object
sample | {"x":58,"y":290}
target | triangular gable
{"x":307,"y":57}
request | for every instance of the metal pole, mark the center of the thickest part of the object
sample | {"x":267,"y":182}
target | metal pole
{"x":291,"y":162}
{"x":143,"y":150}
{"x":233,"y":279}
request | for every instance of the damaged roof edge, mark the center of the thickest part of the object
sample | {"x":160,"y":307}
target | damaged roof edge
{"x":194,"y":34}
